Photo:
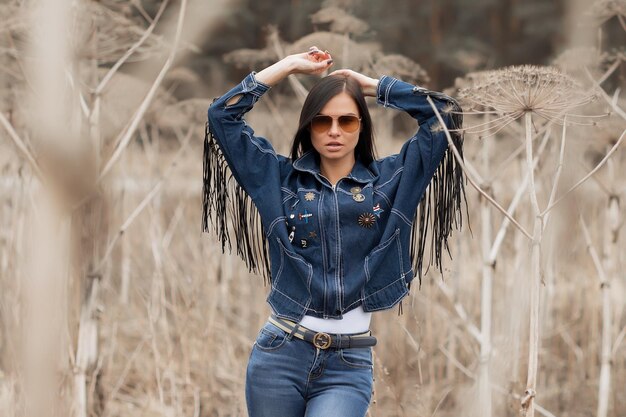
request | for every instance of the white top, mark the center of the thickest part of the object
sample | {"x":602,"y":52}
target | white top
{"x":354,"y":321}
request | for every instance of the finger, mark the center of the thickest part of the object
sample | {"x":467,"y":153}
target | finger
{"x":316,"y":53}
{"x":324,"y":65}
{"x":344,"y":72}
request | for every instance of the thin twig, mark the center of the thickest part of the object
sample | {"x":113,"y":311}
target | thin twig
{"x":612,"y":103}
{"x":443,"y":397}
{"x":20,"y":145}
{"x":557,"y":176}
{"x":298,"y":88}
{"x":495,"y":248}
{"x":608,"y":190}
{"x":469,"y":178}
{"x":460,"y":311}
{"x":155,"y":190}
{"x":610,"y":71}
{"x":586,"y":177}
{"x":127,"y":134}
{"x":592,"y":252}
{"x":618,"y":340}
{"x":131,"y":50}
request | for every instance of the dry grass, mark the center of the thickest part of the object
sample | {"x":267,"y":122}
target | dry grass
{"x":175,"y":319}
{"x":181,"y":340}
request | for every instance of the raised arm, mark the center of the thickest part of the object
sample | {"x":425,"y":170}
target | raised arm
{"x":416,"y":163}
{"x":252,"y":159}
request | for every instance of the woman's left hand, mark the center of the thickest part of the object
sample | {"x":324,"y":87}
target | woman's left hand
{"x":368,"y":84}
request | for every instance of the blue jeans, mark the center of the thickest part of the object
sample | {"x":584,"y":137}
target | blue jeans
{"x":289,"y":377}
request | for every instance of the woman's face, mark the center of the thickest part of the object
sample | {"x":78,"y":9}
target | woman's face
{"x":335,"y":144}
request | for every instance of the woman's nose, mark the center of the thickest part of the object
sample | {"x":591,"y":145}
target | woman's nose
{"x":334,"y":128}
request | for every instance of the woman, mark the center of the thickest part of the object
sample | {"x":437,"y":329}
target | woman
{"x":337,"y":225}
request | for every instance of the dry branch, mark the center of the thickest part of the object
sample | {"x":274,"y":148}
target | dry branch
{"x":128,"y":133}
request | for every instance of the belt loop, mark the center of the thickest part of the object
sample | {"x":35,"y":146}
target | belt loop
{"x":293,"y":331}
{"x":338,"y":341}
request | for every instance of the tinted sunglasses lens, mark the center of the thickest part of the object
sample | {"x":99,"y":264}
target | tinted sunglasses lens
{"x":349,"y":123}
{"x":321,"y":124}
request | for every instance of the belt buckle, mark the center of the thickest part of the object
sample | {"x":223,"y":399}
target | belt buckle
{"x":322,"y":340}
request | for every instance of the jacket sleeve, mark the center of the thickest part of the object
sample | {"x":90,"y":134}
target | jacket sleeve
{"x":251,"y":159}
{"x":421,"y":155}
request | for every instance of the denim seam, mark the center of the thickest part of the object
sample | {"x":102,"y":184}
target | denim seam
{"x":286,"y":252}
{"x":387,"y":91}
{"x":323,"y":241}
{"x":384,"y":244}
{"x":280,"y":268}
{"x":402,"y":216}
{"x":360,"y":300}
{"x":313,"y":190}
{"x":398,"y":171}
{"x":338,"y":283}
{"x":385,"y":287}
{"x":378,"y":87}
{"x":380,"y":247}
{"x":353,"y":365}
{"x":308,"y":377}
{"x":384,"y":196}
{"x":306,"y":307}
{"x":254,"y":141}
{"x":273,"y":224}
{"x":400,"y":256}
{"x":296,"y":164}
{"x":389,"y":304}
{"x":288,"y":191}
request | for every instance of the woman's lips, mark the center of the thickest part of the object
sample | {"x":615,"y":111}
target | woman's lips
{"x":334,"y":146}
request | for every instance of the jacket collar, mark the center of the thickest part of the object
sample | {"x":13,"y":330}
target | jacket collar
{"x":309,"y":162}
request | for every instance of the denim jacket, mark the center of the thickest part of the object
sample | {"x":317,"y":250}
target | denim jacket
{"x":333,"y":248}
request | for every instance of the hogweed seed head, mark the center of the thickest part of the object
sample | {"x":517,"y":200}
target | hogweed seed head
{"x":513,"y":91}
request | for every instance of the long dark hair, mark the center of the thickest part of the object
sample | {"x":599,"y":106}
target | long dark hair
{"x":324,"y":90}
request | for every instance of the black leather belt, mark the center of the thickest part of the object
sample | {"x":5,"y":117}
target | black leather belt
{"x":323,"y":340}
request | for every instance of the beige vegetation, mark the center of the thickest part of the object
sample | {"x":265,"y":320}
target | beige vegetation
{"x":112,"y":302}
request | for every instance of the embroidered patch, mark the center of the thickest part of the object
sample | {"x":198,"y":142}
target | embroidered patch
{"x":305,"y":216}
{"x":377,"y":210}
{"x":312,"y":235}
{"x":309,"y":196}
{"x":303,"y":243}
{"x":366,"y":220}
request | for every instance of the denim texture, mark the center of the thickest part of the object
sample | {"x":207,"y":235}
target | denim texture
{"x":290,"y":377}
{"x":324,"y":262}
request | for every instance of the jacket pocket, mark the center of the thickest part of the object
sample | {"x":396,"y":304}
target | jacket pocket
{"x":385,"y":274}
{"x":291,"y":284}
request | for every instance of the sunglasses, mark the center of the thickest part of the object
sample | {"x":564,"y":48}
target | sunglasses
{"x":348,"y":123}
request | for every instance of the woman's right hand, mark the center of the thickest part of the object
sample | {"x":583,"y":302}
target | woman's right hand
{"x":314,"y":61}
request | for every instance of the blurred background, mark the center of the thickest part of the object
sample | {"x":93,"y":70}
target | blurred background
{"x":112,"y":301}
